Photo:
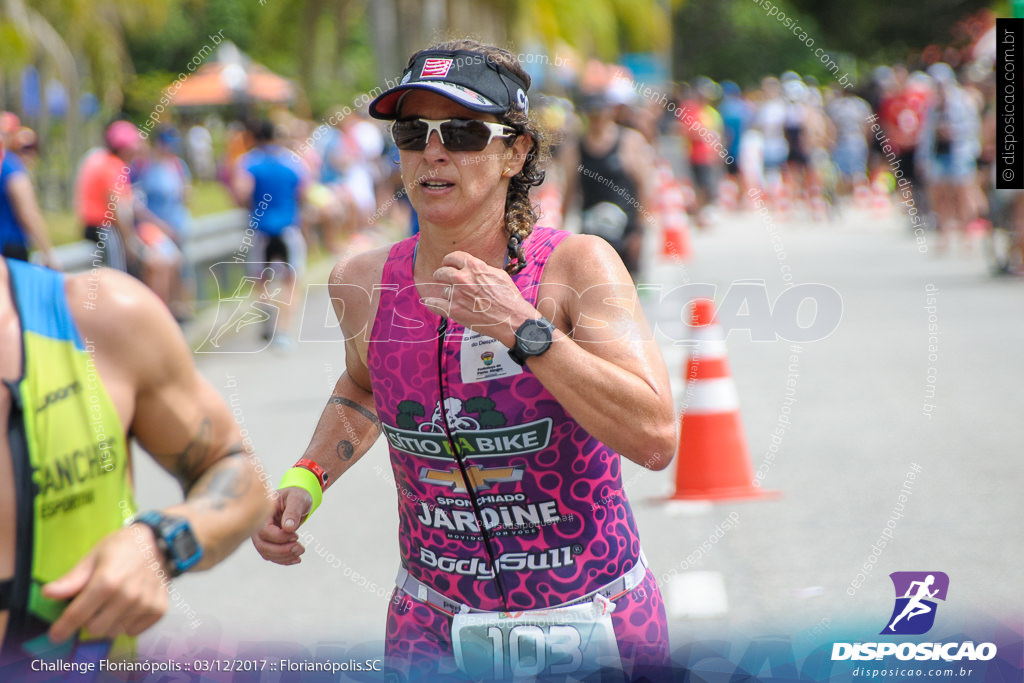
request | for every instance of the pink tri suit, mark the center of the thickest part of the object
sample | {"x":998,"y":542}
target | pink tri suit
{"x":550,"y":495}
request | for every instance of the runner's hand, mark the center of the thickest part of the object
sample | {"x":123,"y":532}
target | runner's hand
{"x":277,"y":540}
{"x":117,"y":588}
{"x":482,"y":298}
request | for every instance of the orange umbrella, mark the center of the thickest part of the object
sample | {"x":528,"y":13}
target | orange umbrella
{"x":233,"y":80}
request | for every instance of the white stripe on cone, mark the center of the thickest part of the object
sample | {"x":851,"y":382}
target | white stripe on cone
{"x":709,"y":348}
{"x":705,"y":396}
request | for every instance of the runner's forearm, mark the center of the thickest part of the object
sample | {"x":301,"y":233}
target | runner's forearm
{"x":347,"y":428}
{"x":226,"y":505}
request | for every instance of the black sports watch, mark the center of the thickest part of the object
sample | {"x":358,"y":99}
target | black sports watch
{"x":532,"y":339}
{"x":175,"y":539}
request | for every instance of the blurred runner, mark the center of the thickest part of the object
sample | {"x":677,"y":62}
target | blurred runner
{"x":901,"y":113}
{"x":551,"y":196}
{"x":271,"y":184}
{"x":507,"y":503}
{"x":87,"y":363}
{"x":701,"y":125}
{"x":615,"y":176}
{"x":736,"y":118}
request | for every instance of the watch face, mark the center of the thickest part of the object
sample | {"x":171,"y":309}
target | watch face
{"x":185,"y":546}
{"x":534,"y":337}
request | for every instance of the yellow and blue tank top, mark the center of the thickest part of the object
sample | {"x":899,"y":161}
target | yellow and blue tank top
{"x":70,"y":461}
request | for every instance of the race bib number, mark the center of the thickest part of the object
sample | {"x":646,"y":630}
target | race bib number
{"x":569,"y":641}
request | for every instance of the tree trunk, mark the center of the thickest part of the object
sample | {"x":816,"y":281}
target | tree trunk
{"x":311,"y":11}
{"x":383,"y":16}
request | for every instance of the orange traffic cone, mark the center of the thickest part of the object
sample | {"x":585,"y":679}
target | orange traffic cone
{"x":783,"y":201}
{"x":862,"y":195}
{"x":675,"y":224}
{"x":881,"y":204}
{"x":728,"y":194}
{"x":713,"y":462}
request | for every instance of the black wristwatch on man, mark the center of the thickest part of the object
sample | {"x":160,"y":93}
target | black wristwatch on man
{"x":532,"y":339}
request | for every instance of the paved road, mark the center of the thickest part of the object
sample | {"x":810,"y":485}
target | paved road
{"x":858,"y":424}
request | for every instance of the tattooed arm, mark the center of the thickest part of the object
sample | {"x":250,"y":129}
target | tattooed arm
{"x":348,"y":425}
{"x":186,"y":425}
{"x":177,"y":416}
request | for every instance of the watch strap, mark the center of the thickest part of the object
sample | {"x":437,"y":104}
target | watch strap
{"x":313,"y":467}
{"x":516,"y":355}
{"x":162,"y":525}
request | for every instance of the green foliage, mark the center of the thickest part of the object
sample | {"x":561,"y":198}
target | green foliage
{"x":17,"y":46}
{"x":143,"y":92}
{"x":239,"y":19}
{"x":871,"y":27}
{"x":602,"y":28}
{"x":182,"y":34}
{"x":95,"y":32}
{"x":737,"y":40}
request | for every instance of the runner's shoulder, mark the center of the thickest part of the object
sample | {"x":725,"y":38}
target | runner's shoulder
{"x":352,"y":288}
{"x":633,"y":137}
{"x":122,"y":318}
{"x":363,"y":269}
{"x":583,"y":260}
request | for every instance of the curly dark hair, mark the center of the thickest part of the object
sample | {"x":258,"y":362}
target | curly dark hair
{"x":520,"y":214}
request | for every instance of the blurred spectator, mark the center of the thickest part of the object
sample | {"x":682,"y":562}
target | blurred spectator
{"x":950,"y":146}
{"x":163,"y":183}
{"x":103,"y":195}
{"x":21,"y":221}
{"x":128,"y":236}
{"x":351,"y":170}
{"x":849,"y":115}
{"x":802,"y":129}
{"x":751,"y":159}
{"x":200,"y":151}
{"x":771,"y":121}
{"x":237,"y":141}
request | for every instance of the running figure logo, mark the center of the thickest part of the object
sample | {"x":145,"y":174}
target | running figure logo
{"x":916,"y":593}
{"x":247,"y":305}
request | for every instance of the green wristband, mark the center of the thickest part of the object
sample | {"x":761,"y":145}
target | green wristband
{"x":305,"y":480}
